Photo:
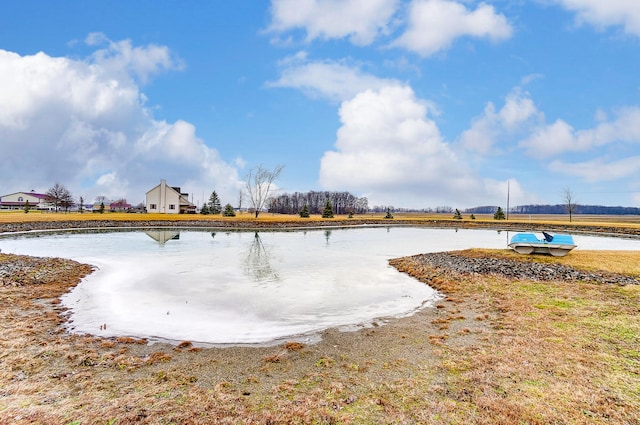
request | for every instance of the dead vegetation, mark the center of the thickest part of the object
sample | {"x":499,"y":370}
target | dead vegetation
{"x":495,"y":351}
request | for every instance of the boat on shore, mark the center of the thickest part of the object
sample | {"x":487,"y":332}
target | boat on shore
{"x":529,"y":243}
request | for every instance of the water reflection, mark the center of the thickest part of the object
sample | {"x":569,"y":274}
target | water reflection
{"x":257,"y":262}
{"x":162,"y":236}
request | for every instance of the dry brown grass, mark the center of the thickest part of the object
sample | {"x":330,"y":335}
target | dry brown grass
{"x":631,"y":222}
{"x":562,"y":353}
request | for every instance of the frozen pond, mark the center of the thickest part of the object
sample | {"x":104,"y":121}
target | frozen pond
{"x":222,"y":287}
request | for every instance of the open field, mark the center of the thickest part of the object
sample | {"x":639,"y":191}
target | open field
{"x":17,"y":215}
{"x":495,"y":350}
{"x":18,"y":220}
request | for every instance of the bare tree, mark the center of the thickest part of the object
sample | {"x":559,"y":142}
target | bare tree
{"x":240,"y":198}
{"x":259,"y":185}
{"x":59,"y":196}
{"x":569,"y":202}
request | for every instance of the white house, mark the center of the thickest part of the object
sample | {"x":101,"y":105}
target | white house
{"x":17,"y":201}
{"x":169,"y":200}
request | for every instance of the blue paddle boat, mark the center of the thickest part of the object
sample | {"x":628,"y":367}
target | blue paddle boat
{"x":529,"y":243}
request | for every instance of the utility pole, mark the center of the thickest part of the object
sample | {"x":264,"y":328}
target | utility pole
{"x":508,"y":187}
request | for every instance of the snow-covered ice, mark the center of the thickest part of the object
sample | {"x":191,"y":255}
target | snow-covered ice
{"x":222,"y":287}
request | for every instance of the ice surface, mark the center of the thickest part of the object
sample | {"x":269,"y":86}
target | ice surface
{"x":246,"y":287}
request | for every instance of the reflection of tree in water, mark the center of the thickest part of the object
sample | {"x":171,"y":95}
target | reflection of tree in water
{"x":327,"y":235}
{"x":257,"y":264}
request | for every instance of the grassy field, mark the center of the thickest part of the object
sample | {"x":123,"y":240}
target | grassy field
{"x":629,"y":221}
{"x":492,"y":351}
{"x":560,"y":352}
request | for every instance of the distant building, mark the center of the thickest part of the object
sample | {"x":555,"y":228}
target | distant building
{"x":169,"y":200}
{"x":113,"y":206}
{"x":17,"y":201}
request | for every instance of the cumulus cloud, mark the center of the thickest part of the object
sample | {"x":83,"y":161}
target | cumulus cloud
{"x":602,"y":14}
{"x":518,"y":114}
{"x":122,"y":57}
{"x":361,"y":21}
{"x":433,"y":25}
{"x":84,"y":123}
{"x":332,"y":80}
{"x":560,"y":137}
{"x":389,"y":149}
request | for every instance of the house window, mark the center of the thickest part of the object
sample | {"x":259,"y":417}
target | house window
{"x":20,"y":199}
{"x":172,"y":207}
{"x":153,"y":207}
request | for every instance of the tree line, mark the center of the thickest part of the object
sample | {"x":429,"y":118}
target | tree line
{"x":559,"y":209}
{"x":315,"y":202}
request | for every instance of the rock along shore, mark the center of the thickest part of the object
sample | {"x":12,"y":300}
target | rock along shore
{"x":461,"y":262}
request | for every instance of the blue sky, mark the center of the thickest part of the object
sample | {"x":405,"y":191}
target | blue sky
{"x":411,"y":103}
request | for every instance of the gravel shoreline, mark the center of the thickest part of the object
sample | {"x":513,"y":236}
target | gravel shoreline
{"x":527,"y":270}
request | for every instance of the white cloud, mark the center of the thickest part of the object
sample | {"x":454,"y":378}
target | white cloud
{"x":335,"y":81}
{"x":550,"y":140}
{"x":106,"y":180}
{"x":359,"y":20}
{"x":141,"y":61}
{"x":602,"y":14}
{"x":389,"y":149}
{"x":518,"y":114}
{"x":84,"y":123}
{"x":435,"y":24}
{"x":598,"y":170}
{"x":560,"y":137}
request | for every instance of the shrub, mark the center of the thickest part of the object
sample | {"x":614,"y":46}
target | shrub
{"x":328,"y":210}
{"x":229,"y":211}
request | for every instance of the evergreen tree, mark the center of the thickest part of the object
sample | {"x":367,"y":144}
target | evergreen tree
{"x":389,"y":215}
{"x":457,"y":215}
{"x":328,"y":210}
{"x":204,"y":210}
{"x":101,"y":210}
{"x":229,"y":211}
{"x":305,"y":211}
{"x":81,"y":205}
{"x":214,"y":203}
{"x":499,"y":215}
{"x":473,"y":217}
{"x":27,"y":207}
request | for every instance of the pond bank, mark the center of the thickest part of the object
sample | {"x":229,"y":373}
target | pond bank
{"x":497,"y":349}
{"x":249,"y":224}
